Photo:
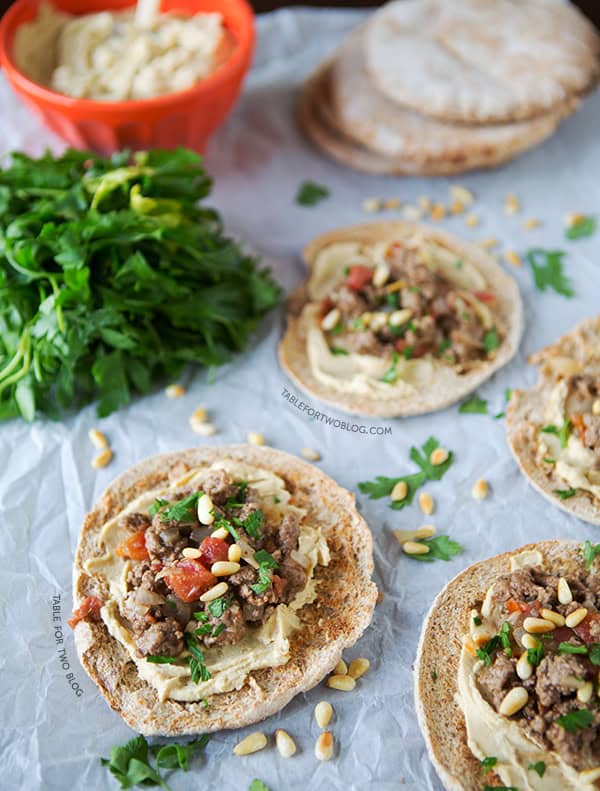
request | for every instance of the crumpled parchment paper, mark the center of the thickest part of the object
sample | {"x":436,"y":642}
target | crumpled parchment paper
{"x":54,"y":724}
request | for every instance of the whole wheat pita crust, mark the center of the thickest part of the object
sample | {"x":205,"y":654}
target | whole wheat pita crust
{"x":368,"y":116}
{"x":526,"y":410}
{"x":342,"y":611}
{"x":436,"y":668}
{"x":481,"y":61}
{"x":448,"y":386}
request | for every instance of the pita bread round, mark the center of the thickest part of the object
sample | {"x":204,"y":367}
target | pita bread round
{"x":481,"y":61}
{"x":448,"y":386}
{"x":526,"y":410}
{"x":436,"y":669}
{"x":367,"y":115}
{"x":341,"y":612}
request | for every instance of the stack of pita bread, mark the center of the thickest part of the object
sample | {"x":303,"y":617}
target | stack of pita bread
{"x":434,"y":87}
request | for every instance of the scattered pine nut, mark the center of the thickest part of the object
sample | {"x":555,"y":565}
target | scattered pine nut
{"x":426,"y":503}
{"x":234,"y":553}
{"x":251,"y":744}
{"x":174,"y":391}
{"x":585,"y":692}
{"x":480,"y":489}
{"x":513,"y":258}
{"x":330,"y":320}
{"x":223,"y":568}
{"x":531,"y":223}
{"x":254,"y":438}
{"x":573,"y":218}
{"x":358,"y":667}
{"x":310,"y":454}
{"x":398,"y":317}
{"x":425,"y":203}
{"x":529,"y":641}
{"x":342,"y":683}
{"x":205,"y":510}
{"x":371,"y":205}
{"x":538,"y":625}
{"x":399,"y":491}
{"x":426,"y":531}
{"x":412,"y":213}
{"x":524,"y":667}
{"x":285,"y":744}
{"x":576,"y":617}
{"x":323,"y":713}
{"x":513,"y":701}
{"x":202,"y":428}
{"x":596,"y":407}
{"x":555,"y":617}
{"x":415,"y":548}
{"x":102,"y":459}
{"x":199,"y":414}
{"x":324,"y":746}
{"x":462,"y":194}
{"x":438,"y":212}
{"x":488,"y":243}
{"x":191,"y":552}
{"x":340,"y":669}
{"x":98,"y":439}
{"x":590,"y":775}
{"x":512,"y":204}
{"x":391,"y":203}
{"x":564,"y":591}
{"x":471,"y":220}
{"x":380,"y":275}
{"x":220,"y":532}
{"x":215,"y":592}
{"x":457,"y":207}
{"x":439,"y":456}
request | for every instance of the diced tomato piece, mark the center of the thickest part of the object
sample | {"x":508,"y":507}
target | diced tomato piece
{"x":279,"y":585}
{"x":358,"y":277}
{"x":190,"y":579}
{"x":326,"y":306}
{"x":89,"y":609}
{"x":518,"y":606}
{"x":213,"y":549}
{"x":134,"y":547}
{"x":485,"y":296}
{"x":577,"y":421}
{"x":417,"y":350}
{"x":589,"y":629}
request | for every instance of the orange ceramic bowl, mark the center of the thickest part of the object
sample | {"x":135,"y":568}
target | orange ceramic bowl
{"x":184,"y":118}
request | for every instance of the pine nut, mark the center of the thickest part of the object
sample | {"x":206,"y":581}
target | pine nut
{"x":425,"y":203}
{"x":512,"y":204}
{"x":323,"y":713}
{"x":399,"y":317}
{"x":399,"y":491}
{"x":255,"y":438}
{"x":199,"y":414}
{"x":99,"y":441}
{"x":215,"y":592}
{"x":513,"y":258}
{"x":555,"y":617}
{"x":102,"y":459}
{"x":324,"y":746}
{"x":438,"y":212}
{"x":462,"y":194}
{"x":340,"y":669}
{"x":439,"y":456}
{"x":590,"y":775}
{"x":202,"y":428}
{"x":223,"y":568}
{"x":584,"y":693}
{"x":205,"y":510}
{"x":330,"y":320}
{"x":343,"y":683}
{"x":251,"y":744}
{"x":576,"y":617}
{"x":234,"y":553}
{"x":531,"y":223}
{"x":219,"y":533}
{"x":471,"y":220}
{"x":391,"y":203}
{"x":414,"y":548}
{"x":573,"y":218}
{"x":412,"y":213}
{"x":310,"y":454}
{"x":538,"y":625}
{"x":380,"y":275}
{"x":379,"y":321}
{"x":513,"y":701}
{"x":358,"y":667}
{"x":371,"y":205}
{"x":524,"y":667}
{"x":596,"y":407}
{"x":457,"y":207}
{"x":488,"y":243}
{"x":426,"y":503}
{"x":174,"y":391}
{"x":426,"y":531}
{"x":285,"y":744}
{"x":479,"y":490}
{"x":529,"y":641}
{"x":191,"y":552}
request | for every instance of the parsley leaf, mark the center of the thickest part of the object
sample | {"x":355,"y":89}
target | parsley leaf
{"x":253,"y":523}
{"x":589,"y":553}
{"x":565,"y":494}
{"x":576,"y":720}
{"x":594,"y":653}
{"x":491,"y":341}
{"x":129,"y":764}
{"x":487,"y":764}
{"x":258,"y":785}
{"x":535,"y":655}
{"x":218,"y":606}
{"x":266,"y":562}
{"x":570,"y":648}
{"x":477,"y":620}
{"x":156,"y":506}
{"x":198,"y":669}
{"x":474,"y":405}
{"x":485,"y":653}
{"x":547,"y":266}
{"x":182,"y":510}
{"x":505,"y":638}
{"x":338,"y":350}
{"x":440,"y":548}
{"x":562,"y":433}
{"x":583,"y":227}
{"x":157,"y":659}
{"x":177,"y":756}
{"x":222,"y":521}
{"x":539,"y":767}
{"x":310,"y":193}
{"x":391,"y":375}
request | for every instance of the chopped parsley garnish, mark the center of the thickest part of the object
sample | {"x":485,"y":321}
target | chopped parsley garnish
{"x":539,"y":768}
{"x":252,"y":523}
{"x":488,"y":764}
{"x":474,"y":406}
{"x":576,"y":720}
{"x":182,"y":510}
{"x":583,"y":227}
{"x":258,"y":785}
{"x":562,"y":433}
{"x":505,"y":638}
{"x":565,"y":494}
{"x":156,"y":506}
{"x":221,"y":521}
{"x":338,"y":329}
{"x":391,"y":375}
{"x":266,"y":562}
{"x":547,"y":266}
{"x":485,"y":653}
{"x":338,"y":350}
{"x":535,"y":655}
{"x":594,"y":653}
{"x":440,"y":548}
{"x":198,"y":669}
{"x":491,"y":341}
{"x":382,"y":486}
{"x":499,"y":415}
{"x":569,"y":648}
{"x":434,"y":675}
{"x":589,"y":553}
{"x":218,"y":606}
{"x":548,"y":460}
{"x":392,"y":300}
{"x":310,"y":193}
{"x":414,"y":289}
{"x":459,"y":263}
{"x":177,"y":756}
{"x":444,"y":345}
{"x":408,"y":352}
{"x":507,"y":394}
{"x":156,"y":659}
{"x":477,"y":620}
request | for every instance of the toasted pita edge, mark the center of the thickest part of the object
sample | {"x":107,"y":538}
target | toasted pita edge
{"x":440,"y":717}
{"x":527,"y":407}
{"x":292,"y":348}
{"x":335,"y":621}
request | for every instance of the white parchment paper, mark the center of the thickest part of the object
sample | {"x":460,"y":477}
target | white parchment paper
{"x":51,"y":737}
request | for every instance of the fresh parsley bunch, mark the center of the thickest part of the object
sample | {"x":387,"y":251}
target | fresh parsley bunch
{"x":112,"y":276}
